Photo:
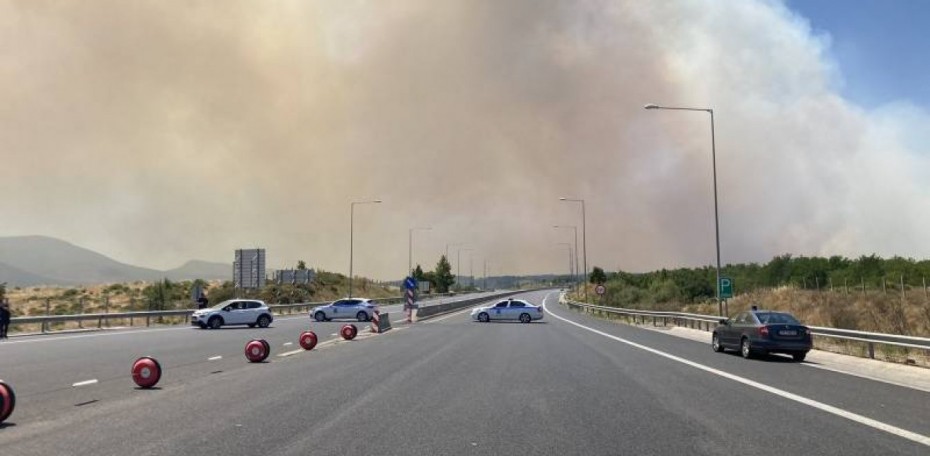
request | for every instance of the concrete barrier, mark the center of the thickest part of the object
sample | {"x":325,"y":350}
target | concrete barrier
{"x":442,"y":308}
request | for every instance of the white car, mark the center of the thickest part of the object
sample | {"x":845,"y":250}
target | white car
{"x":233,"y":312}
{"x":511,"y":309}
{"x":355,"y":308}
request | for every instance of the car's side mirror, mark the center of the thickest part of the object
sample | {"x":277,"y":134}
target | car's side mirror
{"x":724,"y":321}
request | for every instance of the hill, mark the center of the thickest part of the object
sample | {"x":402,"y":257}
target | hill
{"x":33,"y":260}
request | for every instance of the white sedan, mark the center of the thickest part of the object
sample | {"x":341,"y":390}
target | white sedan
{"x":511,"y":309}
{"x":355,"y":308}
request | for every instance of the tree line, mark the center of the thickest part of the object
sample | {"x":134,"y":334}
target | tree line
{"x":698,"y":284}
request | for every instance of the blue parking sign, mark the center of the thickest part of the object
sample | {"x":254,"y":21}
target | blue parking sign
{"x":410,"y":283}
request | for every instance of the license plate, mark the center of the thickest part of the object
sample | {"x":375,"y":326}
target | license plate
{"x":789,"y":332}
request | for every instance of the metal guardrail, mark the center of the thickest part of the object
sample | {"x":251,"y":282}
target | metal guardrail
{"x":707,"y":322}
{"x":100,"y":318}
{"x":436,"y":309}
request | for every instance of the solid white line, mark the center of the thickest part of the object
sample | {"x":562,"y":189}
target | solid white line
{"x":84,"y":383}
{"x":214,"y":358}
{"x":912,"y":436}
{"x":867,"y":377}
{"x":434,"y":320}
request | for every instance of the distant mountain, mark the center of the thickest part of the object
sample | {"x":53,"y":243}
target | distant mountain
{"x":197,"y":269}
{"x":34,"y":260}
{"x":17,"y":277}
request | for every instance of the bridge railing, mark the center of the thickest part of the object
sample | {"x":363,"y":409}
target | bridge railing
{"x":708,"y":322}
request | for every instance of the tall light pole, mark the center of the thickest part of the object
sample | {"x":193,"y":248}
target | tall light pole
{"x":485,"y":285}
{"x":570,"y":268}
{"x":575,"y":229}
{"x":352,"y":236}
{"x":458,"y":263}
{"x":713,"y":157}
{"x":584,"y":243}
{"x":452,"y":245}
{"x":410,"y":247}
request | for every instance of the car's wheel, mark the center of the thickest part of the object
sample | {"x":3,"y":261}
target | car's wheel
{"x":799,"y":356}
{"x":715,"y":343}
{"x":215,"y":322}
{"x":525,"y":318}
{"x":745,"y":349}
{"x":319,"y":316}
{"x":483,"y":317}
{"x":263,"y":321}
{"x":361,"y":316}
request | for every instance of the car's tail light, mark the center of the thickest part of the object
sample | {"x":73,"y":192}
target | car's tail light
{"x":764,"y":331}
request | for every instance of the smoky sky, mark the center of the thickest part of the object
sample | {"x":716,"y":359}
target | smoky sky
{"x":158,"y":132}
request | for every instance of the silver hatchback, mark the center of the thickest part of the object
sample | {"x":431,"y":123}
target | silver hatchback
{"x":360,"y":309}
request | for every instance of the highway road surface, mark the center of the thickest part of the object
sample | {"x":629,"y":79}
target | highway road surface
{"x":569,"y":384}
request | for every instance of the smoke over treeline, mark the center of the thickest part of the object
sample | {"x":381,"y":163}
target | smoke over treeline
{"x":157,"y":132}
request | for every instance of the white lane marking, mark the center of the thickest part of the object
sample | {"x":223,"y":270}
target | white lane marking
{"x":334,"y":334}
{"x":84,"y":383}
{"x":867,"y":377}
{"x":292,"y":352}
{"x":434,"y":320}
{"x":214,"y":358}
{"x":912,"y":436}
{"x":287,"y":344}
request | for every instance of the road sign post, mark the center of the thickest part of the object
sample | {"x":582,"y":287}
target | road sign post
{"x":410,"y":285}
{"x":726,"y":292}
{"x":726,"y":288}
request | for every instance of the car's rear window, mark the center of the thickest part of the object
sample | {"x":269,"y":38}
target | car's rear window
{"x":776,"y":318}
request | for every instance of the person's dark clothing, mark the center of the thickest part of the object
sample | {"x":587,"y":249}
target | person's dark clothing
{"x":4,"y":322}
{"x":202,"y":302}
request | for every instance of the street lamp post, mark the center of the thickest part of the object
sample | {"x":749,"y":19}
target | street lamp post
{"x":575,"y":230}
{"x":452,"y":245}
{"x":458,"y":263}
{"x":713,"y":156}
{"x":410,"y":247}
{"x":352,"y":236}
{"x":584,"y":243}
{"x":570,"y":268}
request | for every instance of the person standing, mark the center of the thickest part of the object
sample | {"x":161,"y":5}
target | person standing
{"x":4,"y":318}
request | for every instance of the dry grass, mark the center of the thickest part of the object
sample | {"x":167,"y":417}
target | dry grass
{"x":873,"y":311}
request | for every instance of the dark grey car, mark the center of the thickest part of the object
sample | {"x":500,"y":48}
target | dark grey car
{"x":760,"y":332}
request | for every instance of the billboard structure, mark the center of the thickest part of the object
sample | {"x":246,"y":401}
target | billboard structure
{"x":294,"y":276}
{"x":249,"y":268}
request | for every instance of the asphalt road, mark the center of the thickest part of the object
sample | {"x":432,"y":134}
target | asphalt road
{"x":446,"y":386}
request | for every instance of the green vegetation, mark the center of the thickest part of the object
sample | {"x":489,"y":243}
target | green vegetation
{"x":441,"y":278}
{"x":867,"y":293}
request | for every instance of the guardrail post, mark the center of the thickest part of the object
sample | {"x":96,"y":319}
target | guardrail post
{"x":871,"y":350}
{"x":664,"y":321}
{"x":81,"y":322}
{"x":48,"y":307}
{"x":148,"y":321}
{"x":654,"y":321}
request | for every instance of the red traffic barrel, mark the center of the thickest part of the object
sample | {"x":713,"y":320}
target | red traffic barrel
{"x":7,"y":401}
{"x":256,"y":350}
{"x":146,"y":372}
{"x":349,"y":332}
{"x":308,"y":340}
